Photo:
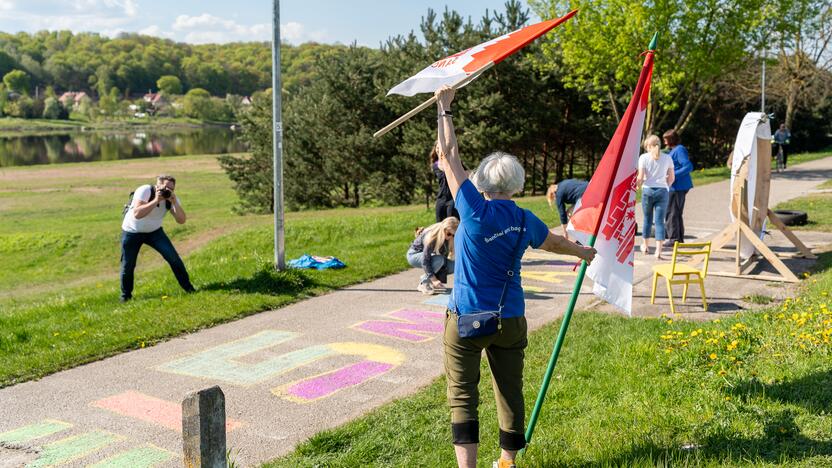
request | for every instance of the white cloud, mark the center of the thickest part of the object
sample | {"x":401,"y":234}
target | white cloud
{"x":112,"y":17}
{"x":207,"y":28}
{"x":154,"y":30}
{"x":128,"y":7}
{"x":102,"y":24}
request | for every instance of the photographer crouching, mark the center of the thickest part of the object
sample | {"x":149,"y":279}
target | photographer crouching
{"x":143,"y":225}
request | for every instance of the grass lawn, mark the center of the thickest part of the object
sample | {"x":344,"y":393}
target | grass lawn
{"x":818,"y":206}
{"x":751,"y":390}
{"x":59,"y":228}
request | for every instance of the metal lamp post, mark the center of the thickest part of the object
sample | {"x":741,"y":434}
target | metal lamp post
{"x":277,"y":124}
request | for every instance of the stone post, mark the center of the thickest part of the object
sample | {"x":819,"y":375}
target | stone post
{"x":203,"y":429}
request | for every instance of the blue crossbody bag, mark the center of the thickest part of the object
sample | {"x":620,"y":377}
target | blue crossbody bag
{"x":486,"y":323}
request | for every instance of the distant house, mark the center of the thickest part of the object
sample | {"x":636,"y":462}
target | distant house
{"x":72,"y":98}
{"x":246,"y":101}
{"x":154,"y":99}
{"x":157,"y":101}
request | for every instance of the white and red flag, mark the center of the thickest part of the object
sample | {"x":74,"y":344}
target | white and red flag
{"x":454,"y":69}
{"x":606,"y":213}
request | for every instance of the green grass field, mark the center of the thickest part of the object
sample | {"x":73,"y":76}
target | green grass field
{"x":818,"y":206}
{"x":59,"y":238}
{"x":752,"y":390}
{"x":59,"y":228}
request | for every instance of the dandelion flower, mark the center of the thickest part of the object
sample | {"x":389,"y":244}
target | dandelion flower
{"x":712,"y":356}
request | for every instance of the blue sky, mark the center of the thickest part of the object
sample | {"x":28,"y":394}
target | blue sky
{"x":330,"y":21}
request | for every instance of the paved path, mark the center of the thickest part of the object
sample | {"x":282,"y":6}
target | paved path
{"x":289,"y":373}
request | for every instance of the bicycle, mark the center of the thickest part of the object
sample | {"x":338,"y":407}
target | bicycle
{"x":780,"y":158}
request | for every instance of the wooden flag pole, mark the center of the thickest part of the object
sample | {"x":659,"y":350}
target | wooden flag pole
{"x":430,"y":101}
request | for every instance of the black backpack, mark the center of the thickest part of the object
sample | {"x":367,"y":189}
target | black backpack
{"x":130,"y":201}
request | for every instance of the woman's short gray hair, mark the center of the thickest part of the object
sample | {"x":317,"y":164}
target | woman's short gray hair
{"x":499,"y":172}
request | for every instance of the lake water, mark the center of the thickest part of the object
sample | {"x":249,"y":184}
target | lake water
{"x":87,"y":146}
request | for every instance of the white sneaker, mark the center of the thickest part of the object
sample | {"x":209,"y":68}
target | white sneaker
{"x":425,"y":288}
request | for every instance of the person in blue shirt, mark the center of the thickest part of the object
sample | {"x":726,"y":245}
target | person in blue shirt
{"x":682,"y":183}
{"x":484,"y":246}
{"x":781,"y":139}
{"x":567,"y":192}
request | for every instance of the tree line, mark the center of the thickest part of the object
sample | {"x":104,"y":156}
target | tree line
{"x":134,"y":63}
{"x":555,"y":104}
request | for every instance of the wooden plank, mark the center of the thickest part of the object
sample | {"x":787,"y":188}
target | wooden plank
{"x":763,"y":249}
{"x":790,"y":235}
{"x":759,"y":277}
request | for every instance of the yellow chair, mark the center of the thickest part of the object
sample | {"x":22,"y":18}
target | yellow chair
{"x":673,"y":270}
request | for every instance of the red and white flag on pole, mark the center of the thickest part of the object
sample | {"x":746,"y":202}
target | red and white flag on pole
{"x":607,"y":209}
{"x":453,"y":69}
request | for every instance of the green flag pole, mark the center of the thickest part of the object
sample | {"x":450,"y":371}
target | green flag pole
{"x":553,"y":359}
{"x":576,"y":290}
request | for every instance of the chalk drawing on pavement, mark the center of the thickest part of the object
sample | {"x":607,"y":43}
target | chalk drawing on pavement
{"x":75,"y":447}
{"x":438,"y":300}
{"x":28,"y":433}
{"x":145,"y":456}
{"x":149,"y":409}
{"x":409,"y":325}
{"x":542,"y":255}
{"x":224,"y":363}
{"x":220,"y":362}
{"x":553,"y":277}
{"x":377,"y":360}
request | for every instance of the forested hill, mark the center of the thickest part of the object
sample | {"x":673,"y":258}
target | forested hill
{"x":133,"y":63}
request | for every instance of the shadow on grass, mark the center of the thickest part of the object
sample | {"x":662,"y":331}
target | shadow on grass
{"x":813,"y":392}
{"x":781,"y":442}
{"x":823,"y":263}
{"x":266,"y":281}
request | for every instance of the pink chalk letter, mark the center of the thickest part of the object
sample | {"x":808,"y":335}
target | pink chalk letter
{"x":149,"y":409}
{"x":329,"y":383}
{"x":420,"y":325}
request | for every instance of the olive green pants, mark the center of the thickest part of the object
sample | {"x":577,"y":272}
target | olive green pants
{"x":505,"y":351}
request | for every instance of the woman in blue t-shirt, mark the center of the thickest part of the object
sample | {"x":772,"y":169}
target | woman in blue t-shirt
{"x":484,"y":246}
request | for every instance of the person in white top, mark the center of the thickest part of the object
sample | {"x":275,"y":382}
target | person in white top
{"x":655,"y":176}
{"x":142,"y":224}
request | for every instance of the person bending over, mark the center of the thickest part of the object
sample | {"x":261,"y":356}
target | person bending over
{"x":489,"y":245}
{"x":433,"y":251}
{"x":567,"y":192}
{"x":142,"y":224}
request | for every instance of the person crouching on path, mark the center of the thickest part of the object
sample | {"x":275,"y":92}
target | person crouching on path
{"x":655,"y":176}
{"x":489,"y":244}
{"x":433,"y":251}
{"x":142,"y":224}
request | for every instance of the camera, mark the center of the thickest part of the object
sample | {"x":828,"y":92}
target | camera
{"x":165,"y":192}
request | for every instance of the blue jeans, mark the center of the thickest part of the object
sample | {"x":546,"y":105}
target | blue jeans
{"x":654,"y":204}
{"x":131,"y":242}
{"x":442,"y":266}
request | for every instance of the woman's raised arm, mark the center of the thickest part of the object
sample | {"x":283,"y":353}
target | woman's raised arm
{"x":449,"y":152}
